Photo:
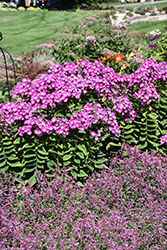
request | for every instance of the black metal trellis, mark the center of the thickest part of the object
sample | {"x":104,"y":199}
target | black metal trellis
{"x":6,"y":87}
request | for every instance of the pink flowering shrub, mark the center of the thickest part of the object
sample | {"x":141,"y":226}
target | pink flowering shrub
{"x":124,"y":207}
{"x":78,"y":113}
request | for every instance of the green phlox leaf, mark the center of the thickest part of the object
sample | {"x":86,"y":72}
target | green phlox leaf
{"x":66,"y":157}
{"x":110,"y":144}
{"x":100,"y":166}
{"x":82,"y":174}
{"x":80,"y":154}
{"x":144,"y":145}
{"x":153,"y":115}
{"x":82,"y":148}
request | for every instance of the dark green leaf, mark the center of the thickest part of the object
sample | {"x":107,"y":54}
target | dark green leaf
{"x":12,"y":157}
{"x":82,"y":174}
{"x":66,"y":157}
{"x":143,"y":145}
{"x":14,"y":164}
{"x":29,"y":170}
{"x":32,"y":179}
{"x":30,"y":156}
{"x":42,"y":151}
{"x":66,"y":163}
{"x":152,"y":115}
{"x":129,"y":131}
{"x":51,"y":164}
{"x":112,"y":144}
{"x":82,"y":148}
{"x":74,"y":174}
{"x":77,"y":161}
{"x":3,"y":163}
{"x":100,"y":166}
{"x":80,"y":154}
{"x":17,"y":141}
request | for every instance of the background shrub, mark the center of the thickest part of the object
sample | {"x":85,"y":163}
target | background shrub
{"x":106,"y":38}
{"x":65,"y":4}
{"x":158,"y":47}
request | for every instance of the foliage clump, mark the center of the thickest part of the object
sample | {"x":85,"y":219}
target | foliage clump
{"x":78,"y":113}
{"x":74,"y":43}
{"x":158,"y":47}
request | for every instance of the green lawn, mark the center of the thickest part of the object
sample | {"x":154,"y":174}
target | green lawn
{"x":24,"y":30}
{"x":148,"y":26}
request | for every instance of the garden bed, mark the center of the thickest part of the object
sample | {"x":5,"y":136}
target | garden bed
{"x":83,"y":154}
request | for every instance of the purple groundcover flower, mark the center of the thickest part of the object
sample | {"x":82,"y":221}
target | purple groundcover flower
{"x":152,"y":45}
{"x":123,"y":207}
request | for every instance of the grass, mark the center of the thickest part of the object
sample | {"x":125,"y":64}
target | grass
{"x":148,"y":26}
{"x":24,"y":30}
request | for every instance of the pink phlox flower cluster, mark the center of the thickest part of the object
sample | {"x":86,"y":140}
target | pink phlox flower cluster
{"x":112,"y":121}
{"x":69,"y":69}
{"x":41,"y":126}
{"x":163,"y":139}
{"x":148,"y":69}
{"x":90,"y":69}
{"x":162,"y":74}
{"x":71,"y":81}
{"x":55,"y":69}
{"x":93,"y":113}
{"x":11,"y":111}
{"x":60,"y":125}
{"x":147,"y":92}
{"x":24,"y":89}
{"x":130,"y":116}
{"x":124,"y":106}
{"x":147,"y":76}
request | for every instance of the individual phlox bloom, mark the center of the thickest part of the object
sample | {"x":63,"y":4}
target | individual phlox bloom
{"x":163,"y":139}
{"x":96,"y":135}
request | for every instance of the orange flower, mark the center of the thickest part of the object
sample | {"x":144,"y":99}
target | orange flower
{"x":124,"y":66}
{"x":118,"y":58}
{"x":132,"y":53}
{"x":108,"y":57}
{"x":102,"y":59}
